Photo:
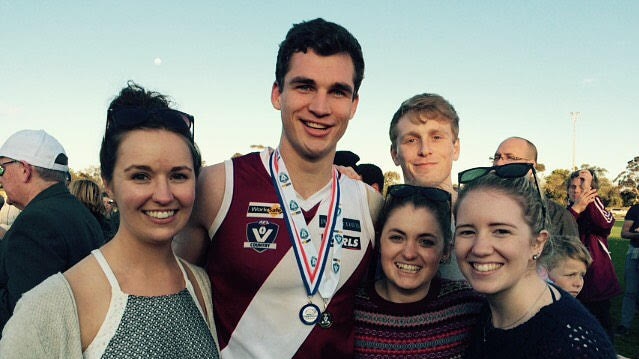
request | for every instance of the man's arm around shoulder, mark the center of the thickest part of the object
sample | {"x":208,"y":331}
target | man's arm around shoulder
{"x":192,"y":242}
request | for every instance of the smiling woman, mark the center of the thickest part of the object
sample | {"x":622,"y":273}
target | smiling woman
{"x":499,"y":237}
{"x":410,"y":310}
{"x":132,"y":294}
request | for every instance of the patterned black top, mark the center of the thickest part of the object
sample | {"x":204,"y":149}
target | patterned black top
{"x":162,"y":327}
{"x":563,"y":329}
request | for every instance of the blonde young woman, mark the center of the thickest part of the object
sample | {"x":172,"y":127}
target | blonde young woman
{"x":500,"y":234}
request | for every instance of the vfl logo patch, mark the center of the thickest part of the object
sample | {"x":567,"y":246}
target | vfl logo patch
{"x":264,"y":210}
{"x":261,"y":236}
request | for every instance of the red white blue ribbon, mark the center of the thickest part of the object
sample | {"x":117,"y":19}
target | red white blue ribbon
{"x":311,"y":261}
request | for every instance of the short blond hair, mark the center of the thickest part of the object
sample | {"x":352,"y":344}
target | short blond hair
{"x":561,"y":248}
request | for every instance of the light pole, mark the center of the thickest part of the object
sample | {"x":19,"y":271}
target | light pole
{"x":574,"y":116}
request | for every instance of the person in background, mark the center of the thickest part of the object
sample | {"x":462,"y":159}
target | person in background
{"x":53,"y":231}
{"x":411,"y":311}
{"x":8,"y":215}
{"x":346,"y":159}
{"x":133,"y":297}
{"x":564,"y":262}
{"x":372,"y":175}
{"x":2,"y":230}
{"x":424,"y":135}
{"x":630,"y":230}
{"x":89,"y":193}
{"x":286,"y":239}
{"x":521,"y":150}
{"x":595,"y":223}
{"x":109,"y":205}
{"x":500,"y":234}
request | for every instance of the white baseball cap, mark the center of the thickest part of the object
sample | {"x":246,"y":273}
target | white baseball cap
{"x":37,"y":148}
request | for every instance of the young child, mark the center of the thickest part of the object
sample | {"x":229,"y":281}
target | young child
{"x":565,"y":263}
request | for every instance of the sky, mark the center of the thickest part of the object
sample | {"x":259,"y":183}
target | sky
{"x":510,"y":68}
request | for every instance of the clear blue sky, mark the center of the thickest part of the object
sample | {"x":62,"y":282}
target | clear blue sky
{"x":509,"y":68}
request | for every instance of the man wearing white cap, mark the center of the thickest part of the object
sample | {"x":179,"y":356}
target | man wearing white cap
{"x":54,"y":230}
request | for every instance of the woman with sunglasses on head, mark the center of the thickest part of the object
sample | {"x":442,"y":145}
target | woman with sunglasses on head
{"x":133,"y":297}
{"x":410,"y":312}
{"x":500,"y":234}
{"x":595,"y":223}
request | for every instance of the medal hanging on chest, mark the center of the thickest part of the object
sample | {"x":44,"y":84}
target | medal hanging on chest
{"x":316,"y":272}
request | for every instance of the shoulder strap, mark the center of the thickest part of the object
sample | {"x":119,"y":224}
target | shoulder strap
{"x":189,"y":286}
{"x":106,"y":269}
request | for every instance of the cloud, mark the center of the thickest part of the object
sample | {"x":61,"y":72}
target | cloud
{"x":588,"y":81}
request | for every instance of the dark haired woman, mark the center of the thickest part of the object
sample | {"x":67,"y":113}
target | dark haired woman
{"x":133,"y":297}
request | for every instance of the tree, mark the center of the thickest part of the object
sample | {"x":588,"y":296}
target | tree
{"x":628,"y":179}
{"x":92,"y":173}
{"x":609,"y":193}
{"x":555,"y":186}
{"x":628,"y":197}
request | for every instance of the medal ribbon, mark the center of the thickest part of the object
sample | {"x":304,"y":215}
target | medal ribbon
{"x":311,"y":264}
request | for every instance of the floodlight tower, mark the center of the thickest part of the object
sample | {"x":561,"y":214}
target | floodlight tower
{"x":574,"y":116}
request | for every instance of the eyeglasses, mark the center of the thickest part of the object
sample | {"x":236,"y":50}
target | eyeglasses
{"x":507,"y":157}
{"x":131,"y":117}
{"x":405,"y":190}
{"x":511,"y":170}
{"x":4,"y":164}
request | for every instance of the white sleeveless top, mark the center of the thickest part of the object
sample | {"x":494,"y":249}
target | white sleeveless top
{"x":160,"y":327}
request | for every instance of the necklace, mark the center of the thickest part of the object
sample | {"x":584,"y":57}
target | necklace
{"x":489,"y":327}
{"x":532,"y":307}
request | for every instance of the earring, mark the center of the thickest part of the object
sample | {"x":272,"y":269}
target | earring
{"x":535,"y":257}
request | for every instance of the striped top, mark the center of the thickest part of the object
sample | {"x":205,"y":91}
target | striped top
{"x":438,"y":326}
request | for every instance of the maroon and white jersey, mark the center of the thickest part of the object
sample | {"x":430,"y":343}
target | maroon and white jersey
{"x":257,"y":288}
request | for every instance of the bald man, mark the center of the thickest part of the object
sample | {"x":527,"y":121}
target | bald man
{"x":520,"y":150}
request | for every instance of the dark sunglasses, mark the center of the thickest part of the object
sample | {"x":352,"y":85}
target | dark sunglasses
{"x":131,"y":117}
{"x":511,"y":170}
{"x":4,"y":164}
{"x":405,"y":190}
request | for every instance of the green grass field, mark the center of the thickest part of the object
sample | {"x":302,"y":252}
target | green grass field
{"x":629,"y":345}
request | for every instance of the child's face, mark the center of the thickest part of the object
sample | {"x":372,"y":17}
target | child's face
{"x":569,"y":275}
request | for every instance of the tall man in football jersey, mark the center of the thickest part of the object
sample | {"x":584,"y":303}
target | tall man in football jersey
{"x":284,"y":237}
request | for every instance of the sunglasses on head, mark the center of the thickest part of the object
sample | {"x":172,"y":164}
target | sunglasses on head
{"x":131,"y":117}
{"x":511,"y":170}
{"x":405,"y":190}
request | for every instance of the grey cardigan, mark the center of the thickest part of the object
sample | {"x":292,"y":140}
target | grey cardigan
{"x":45,"y":321}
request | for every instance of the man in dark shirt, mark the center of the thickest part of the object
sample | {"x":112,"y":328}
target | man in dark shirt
{"x":54,"y":231}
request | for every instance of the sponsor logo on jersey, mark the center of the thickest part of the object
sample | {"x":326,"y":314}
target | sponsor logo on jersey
{"x":348,"y":224}
{"x":261,"y":235}
{"x":264,"y":210}
{"x":350,"y":242}
{"x":347,"y":242}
